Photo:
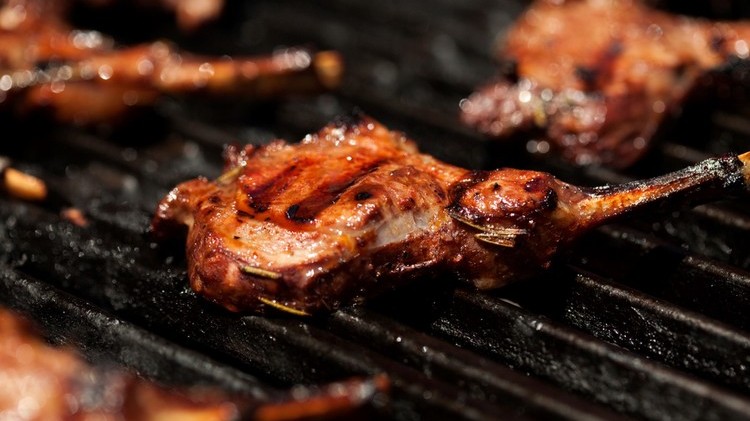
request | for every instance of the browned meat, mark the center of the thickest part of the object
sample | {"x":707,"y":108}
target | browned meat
{"x":40,"y":382}
{"x":355,"y":209}
{"x":84,"y":77}
{"x":595,"y":79}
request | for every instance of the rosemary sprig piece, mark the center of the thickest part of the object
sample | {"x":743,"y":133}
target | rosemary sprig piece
{"x":263,"y":273}
{"x":282,"y":307}
{"x":492,"y":234}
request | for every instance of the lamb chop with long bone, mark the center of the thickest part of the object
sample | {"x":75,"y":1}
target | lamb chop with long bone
{"x":356,"y":209}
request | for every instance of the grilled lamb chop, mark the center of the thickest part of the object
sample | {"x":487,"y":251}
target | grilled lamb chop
{"x":355,"y":210}
{"x":84,"y":77}
{"x":42,"y":382}
{"x":597,"y":78}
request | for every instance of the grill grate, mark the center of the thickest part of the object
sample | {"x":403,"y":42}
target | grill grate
{"x":602,"y":336}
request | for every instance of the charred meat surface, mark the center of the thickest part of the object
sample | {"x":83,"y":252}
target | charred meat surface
{"x":44,"y":382}
{"x":355,"y":209}
{"x":47,"y":64}
{"x":597,"y":78}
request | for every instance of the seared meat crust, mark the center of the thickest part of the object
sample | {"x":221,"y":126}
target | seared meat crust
{"x":355,"y":209}
{"x":598,"y":78}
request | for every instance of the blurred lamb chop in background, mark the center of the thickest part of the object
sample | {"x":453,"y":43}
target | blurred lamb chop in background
{"x":594,"y":80}
{"x":85,"y":77}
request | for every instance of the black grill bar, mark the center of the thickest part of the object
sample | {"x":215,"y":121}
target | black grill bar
{"x":664,"y":270}
{"x":479,"y":375}
{"x":579,"y":362}
{"x":660,"y":331}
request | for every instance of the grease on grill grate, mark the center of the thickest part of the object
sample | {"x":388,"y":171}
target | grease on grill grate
{"x":602,"y":336}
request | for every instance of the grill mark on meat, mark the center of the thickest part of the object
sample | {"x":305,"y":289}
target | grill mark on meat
{"x":260,"y":198}
{"x":291,"y":214}
{"x":329,"y":193}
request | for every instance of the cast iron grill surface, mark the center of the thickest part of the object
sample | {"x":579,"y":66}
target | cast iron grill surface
{"x":643,"y":319}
